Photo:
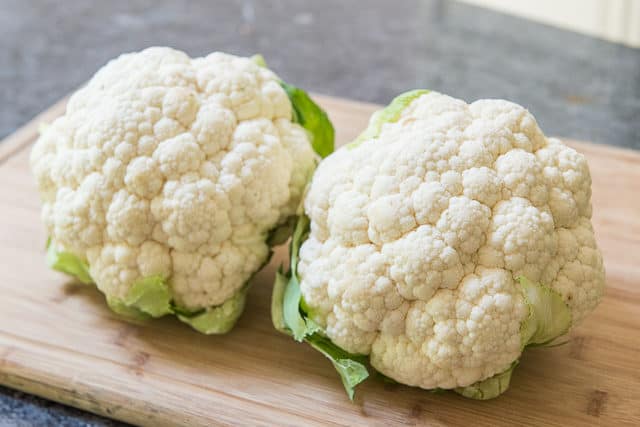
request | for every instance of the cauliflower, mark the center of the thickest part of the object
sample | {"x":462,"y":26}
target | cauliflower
{"x":441,"y":243}
{"x":166,"y":180}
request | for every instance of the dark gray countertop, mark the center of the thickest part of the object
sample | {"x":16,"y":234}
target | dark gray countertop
{"x":576,"y":86}
{"x":22,"y":410}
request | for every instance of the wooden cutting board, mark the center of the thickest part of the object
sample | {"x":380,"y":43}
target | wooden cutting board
{"x":59,"y":340}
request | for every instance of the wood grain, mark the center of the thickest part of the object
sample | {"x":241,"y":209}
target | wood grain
{"x":58,"y":339}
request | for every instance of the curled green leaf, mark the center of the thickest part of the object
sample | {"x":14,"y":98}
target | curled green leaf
{"x":313,"y":118}
{"x":549,"y":316}
{"x":351,"y":368}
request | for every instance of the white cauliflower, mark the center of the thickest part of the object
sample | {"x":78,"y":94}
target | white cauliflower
{"x":165,"y":176}
{"x":442,"y":242}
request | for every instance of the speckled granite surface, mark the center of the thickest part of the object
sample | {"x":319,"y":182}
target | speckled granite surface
{"x":22,"y":410}
{"x":576,"y":86}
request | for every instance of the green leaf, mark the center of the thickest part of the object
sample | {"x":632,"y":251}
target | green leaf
{"x":150,"y":295}
{"x":292,"y":316}
{"x":288,"y":316}
{"x":549,"y":316}
{"x":351,"y":368}
{"x":259,"y":60}
{"x":277,"y":302}
{"x":307,"y":114}
{"x":291,"y":310}
{"x":391,"y":113}
{"x":489,"y":388}
{"x":129,"y":313}
{"x":219,"y":319}
{"x":67,"y":263}
{"x":313,"y":118}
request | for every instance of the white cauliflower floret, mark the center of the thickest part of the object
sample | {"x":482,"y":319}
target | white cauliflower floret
{"x":474,"y":329}
{"x":418,"y":233}
{"x":418,"y":274}
{"x":172,"y":167}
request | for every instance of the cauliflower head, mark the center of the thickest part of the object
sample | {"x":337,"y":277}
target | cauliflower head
{"x":165,"y":177}
{"x":440,"y":243}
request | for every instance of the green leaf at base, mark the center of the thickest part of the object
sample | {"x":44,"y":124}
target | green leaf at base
{"x":288,"y":316}
{"x":292,"y":296}
{"x":489,"y":388}
{"x":68,"y":263}
{"x":291,"y":310}
{"x":351,"y":368}
{"x":123,"y":310}
{"x":150,"y":295}
{"x":219,"y":319}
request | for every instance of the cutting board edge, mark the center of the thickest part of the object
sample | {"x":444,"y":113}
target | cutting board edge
{"x":117,"y":404}
{"x":12,"y":376}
